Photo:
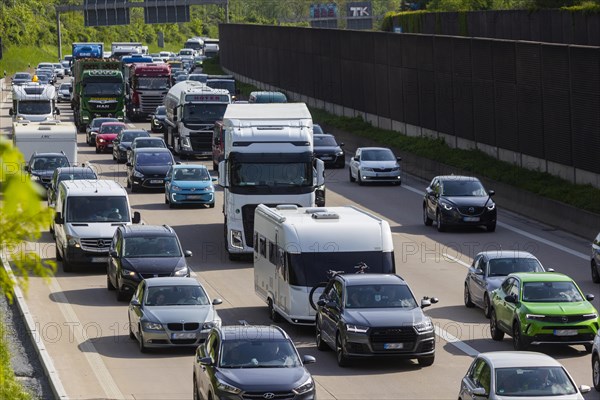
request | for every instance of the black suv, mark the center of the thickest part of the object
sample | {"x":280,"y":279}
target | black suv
{"x":329,"y":150}
{"x":366,"y":315}
{"x":41,"y":166}
{"x":452,"y":200}
{"x":143,"y":251}
{"x":251,"y":362}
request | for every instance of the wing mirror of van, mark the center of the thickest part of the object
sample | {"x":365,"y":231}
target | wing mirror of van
{"x":58,"y":218}
{"x":137,"y":218}
{"x":57,"y":111}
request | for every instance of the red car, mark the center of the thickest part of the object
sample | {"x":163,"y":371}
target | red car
{"x":107,"y":133}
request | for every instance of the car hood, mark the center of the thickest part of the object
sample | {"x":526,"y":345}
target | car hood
{"x":192,"y":184}
{"x":107,"y":136}
{"x":193,"y":313}
{"x":264,"y":379}
{"x":579,"y":307}
{"x":381,"y":317}
{"x":475,"y":201}
{"x":104,"y":230}
{"x":125,"y":144}
{"x":150,"y":265}
{"x":153,"y":169}
{"x":379,"y":164}
{"x":327,"y":149}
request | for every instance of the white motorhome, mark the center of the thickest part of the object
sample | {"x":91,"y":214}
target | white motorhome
{"x":33,"y":102}
{"x":195,"y":43}
{"x":88,"y":213}
{"x":295,"y":247}
{"x":268,"y":158}
{"x":46,"y":137}
{"x":192,"y":110}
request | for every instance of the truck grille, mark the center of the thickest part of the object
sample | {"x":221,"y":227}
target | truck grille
{"x":103,"y":106}
{"x":201,"y":141}
{"x":149,"y":102}
{"x":248,"y":222}
{"x":97,"y":245}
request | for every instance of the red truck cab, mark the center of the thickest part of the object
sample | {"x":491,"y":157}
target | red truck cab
{"x":147,"y":85}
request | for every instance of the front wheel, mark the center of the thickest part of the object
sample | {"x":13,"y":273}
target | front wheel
{"x":352,"y":179}
{"x":441,"y":227}
{"x":342,"y":358}
{"x":143,"y":348}
{"x":467,"y":297}
{"x":321,"y":345}
{"x":273,"y":314}
{"x":495,"y":332}
{"x":426,"y":361}
{"x":595,"y":274}
{"x":487,"y":308}
{"x":491,"y":227}
{"x":426,"y":220}
{"x":519,"y":342}
{"x":596,"y":372}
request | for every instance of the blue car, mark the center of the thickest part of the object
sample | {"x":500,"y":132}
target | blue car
{"x":189,"y":184}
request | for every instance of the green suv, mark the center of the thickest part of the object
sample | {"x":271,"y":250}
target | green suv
{"x":542,"y":308}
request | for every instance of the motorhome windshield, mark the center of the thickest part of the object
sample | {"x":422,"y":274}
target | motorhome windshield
{"x":103,"y":89}
{"x":85,"y":209}
{"x":272,"y":174}
{"x":156,"y":83}
{"x":203,"y":113}
{"x":309,"y":268}
{"x":34,"y":107}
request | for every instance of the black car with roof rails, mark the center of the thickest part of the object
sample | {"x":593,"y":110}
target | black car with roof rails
{"x":373,"y":315}
{"x":453,"y":200}
{"x":251,"y":362}
{"x":41,"y":166}
{"x":143,"y":251}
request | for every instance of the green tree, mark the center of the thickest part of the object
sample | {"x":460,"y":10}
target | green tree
{"x":22,"y":218}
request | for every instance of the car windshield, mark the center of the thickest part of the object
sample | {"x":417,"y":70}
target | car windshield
{"x":551,"y":292}
{"x":540,"y":382}
{"x":176,"y":295}
{"x":259,"y":354}
{"x":111,"y":128}
{"x":34,"y":107}
{"x":379,"y":296}
{"x":317,"y":130}
{"x":463,"y":187}
{"x":151,"y":246}
{"x":321,"y":141}
{"x":129,"y":136}
{"x":191,"y":174}
{"x":22,"y":76}
{"x":149,"y":143}
{"x":377,"y":155}
{"x":65,"y":86}
{"x":49,"y":163}
{"x":156,"y":83}
{"x":84,"y":209}
{"x":154,"y":159}
{"x":505,"y":266}
{"x":197,"y":77}
{"x":97,"y":122}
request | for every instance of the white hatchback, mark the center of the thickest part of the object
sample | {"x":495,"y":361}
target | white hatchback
{"x":375,"y":164}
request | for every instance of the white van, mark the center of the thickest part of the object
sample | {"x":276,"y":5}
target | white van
{"x":88,"y":213}
{"x":46,"y":137}
{"x":294,"y":248}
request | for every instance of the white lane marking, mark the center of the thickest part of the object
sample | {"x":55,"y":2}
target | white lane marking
{"x":47,"y":363}
{"x":129,"y":124}
{"x":449,"y":257}
{"x":105,"y":379}
{"x":522,"y":232}
{"x":456,"y":342}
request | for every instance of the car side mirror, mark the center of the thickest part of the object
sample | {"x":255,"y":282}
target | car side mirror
{"x":137,"y":218}
{"x":128,"y":163}
{"x":113,"y":253}
{"x":550,"y":270}
{"x":398,"y":159}
{"x":478,"y":272}
{"x":590,"y":297}
{"x":308,"y":359}
{"x":206,"y":361}
{"x":178,"y":163}
{"x":355,"y":158}
{"x":187,"y":253}
{"x":135,"y":302}
{"x":585,"y":389}
{"x":213,"y":179}
{"x":428,"y":301}
{"x":491,"y":192}
{"x":479,"y":392}
{"x":58,"y":218}
{"x":321,"y":302}
{"x":216,"y":302}
{"x":341,"y":144}
{"x":510,"y":298}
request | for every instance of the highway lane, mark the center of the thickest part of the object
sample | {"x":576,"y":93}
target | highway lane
{"x":84,"y":327}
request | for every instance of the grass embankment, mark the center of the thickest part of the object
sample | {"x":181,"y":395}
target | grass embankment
{"x":473,"y":161}
{"x":10,"y":388}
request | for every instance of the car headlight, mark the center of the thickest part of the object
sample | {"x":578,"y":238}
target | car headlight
{"x":307,"y":386}
{"x":185,"y":142}
{"x":535,"y":317}
{"x":181,"y":271}
{"x":366,"y":169}
{"x":175,"y":188}
{"x":590,"y":316}
{"x":73,"y":241}
{"x":153,"y":326}
{"x":226,"y":387}
{"x":339,"y":153}
{"x":425,"y":326}
{"x":209,"y":189}
{"x":127,"y":272}
{"x":35,"y":178}
{"x":446,"y":206}
{"x":210,"y":325}
{"x":356,"y":328}
{"x":395,"y":169}
{"x":490,"y":207}
{"x":101,"y":140}
{"x":137,"y":174}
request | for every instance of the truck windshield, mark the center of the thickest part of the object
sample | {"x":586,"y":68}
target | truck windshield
{"x":103,"y":89}
{"x":272,"y":174}
{"x":203,"y":113}
{"x":222,"y":84}
{"x":97,"y":209}
{"x":34,"y":107}
{"x":146,"y":82}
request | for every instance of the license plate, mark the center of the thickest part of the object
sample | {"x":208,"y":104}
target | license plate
{"x":471,"y":219}
{"x":183,"y":335}
{"x":326,"y":158}
{"x":194,"y":197}
{"x":156,"y":181}
{"x":393,"y":346}
{"x":109,"y":146}
{"x":99,"y":259}
{"x":565,"y":332}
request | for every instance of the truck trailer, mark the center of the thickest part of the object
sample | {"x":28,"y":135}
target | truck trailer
{"x":46,"y":137}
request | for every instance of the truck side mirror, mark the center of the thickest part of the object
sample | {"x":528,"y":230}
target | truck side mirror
{"x":320,"y":167}
{"x":10,"y":112}
{"x":222,"y":175}
{"x":57,"y":111}
{"x":137,"y":218}
{"x":58,"y":218}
